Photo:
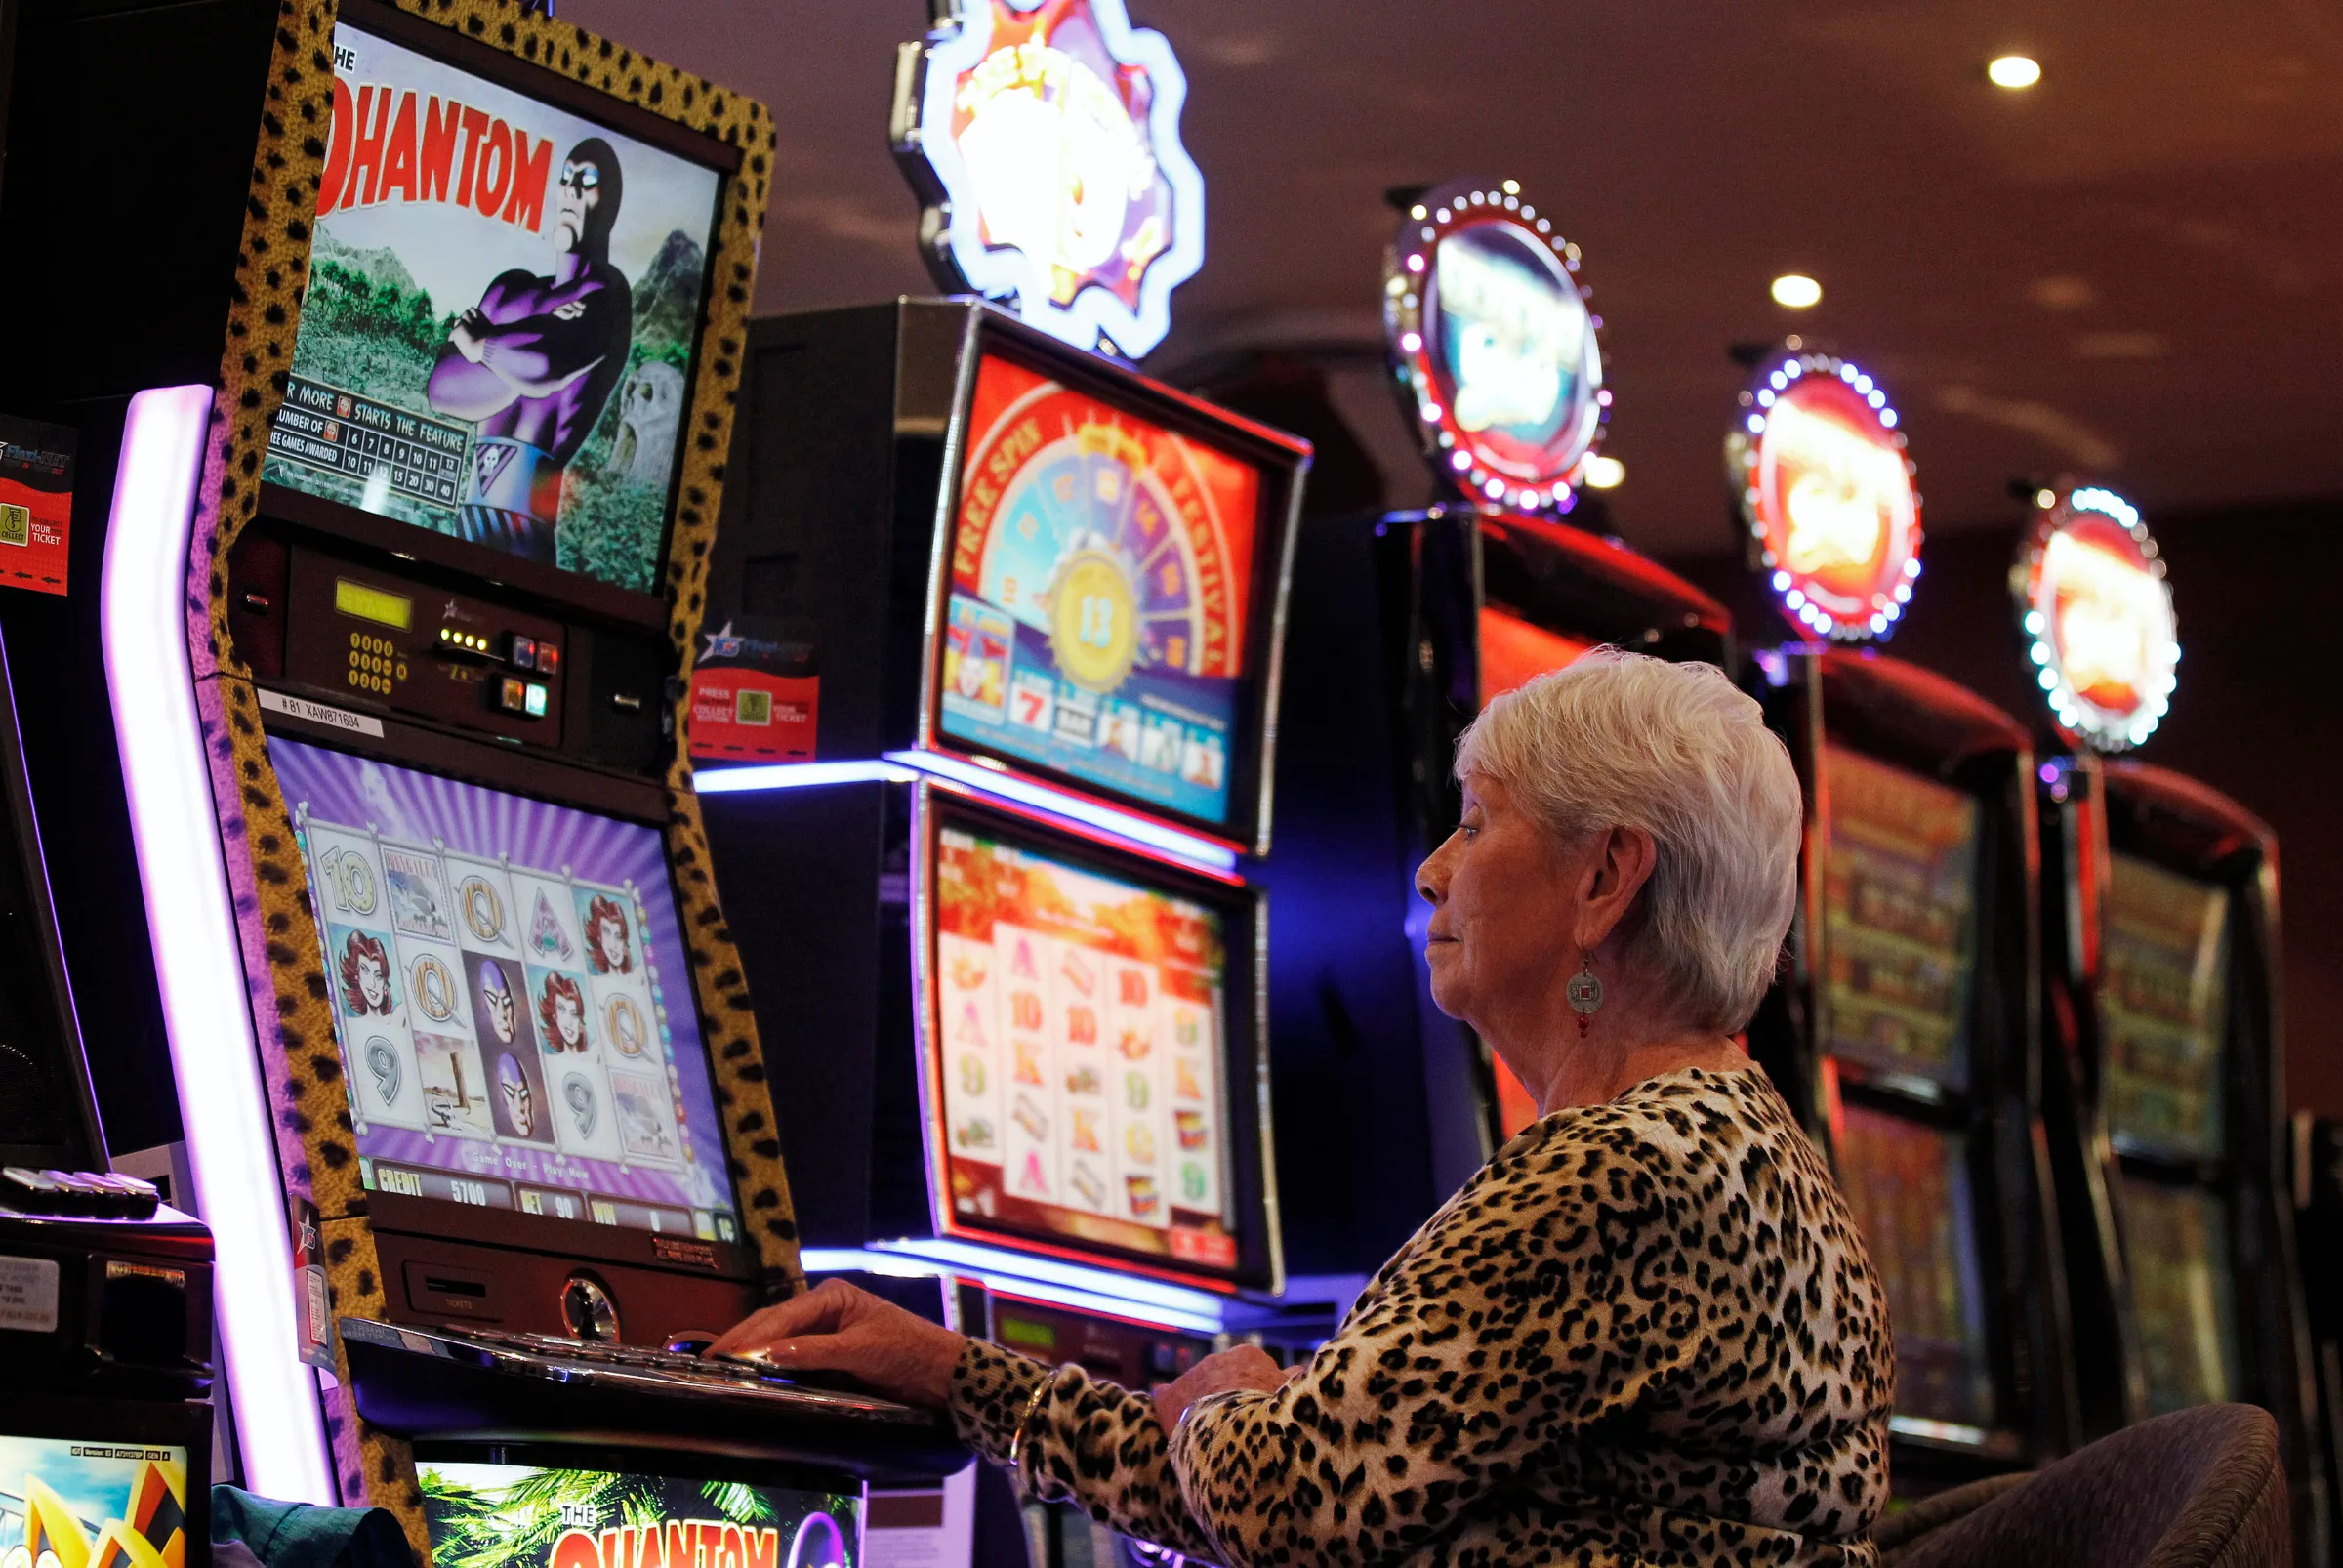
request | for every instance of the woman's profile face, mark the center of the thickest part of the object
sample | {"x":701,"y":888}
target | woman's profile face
{"x":1503,"y":911}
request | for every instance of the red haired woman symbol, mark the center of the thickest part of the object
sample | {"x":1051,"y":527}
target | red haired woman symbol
{"x":365,"y":974}
{"x":562,"y":1008}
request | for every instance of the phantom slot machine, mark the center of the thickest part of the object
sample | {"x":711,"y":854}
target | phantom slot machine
{"x":1905,"y":1030}
{"x":459,"y":1034}
{"x":2168,"y":1083}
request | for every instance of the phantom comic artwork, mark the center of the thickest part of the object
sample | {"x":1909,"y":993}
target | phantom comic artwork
{"x":499,"y":328}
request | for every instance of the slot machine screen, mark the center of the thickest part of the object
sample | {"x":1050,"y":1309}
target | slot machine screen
{"x":512,"y":999}
{"x":1083,"y":1034}
{"x":1900,"y":909}
{"x":2162,"y":998}
{"x":504,"y":306}
{"x":1106,"y":574}
{"x":1514,"y":652}
{"x":2176,"y":1243}
{"x":1908,"y":1185}
{"x":486,"y":1515}
{"x":111,"y":1504}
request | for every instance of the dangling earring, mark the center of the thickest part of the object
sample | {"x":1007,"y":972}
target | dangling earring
{"x":1585,"y":993}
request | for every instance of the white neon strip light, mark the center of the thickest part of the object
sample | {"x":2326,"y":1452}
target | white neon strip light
{"x":797,"y":776}
{"x":199,"y":964}
{"x":1942,"y":1431}
{"x":906,"y":1265}
{"x":1184,"y":846}
{"x":1135,"y":1289}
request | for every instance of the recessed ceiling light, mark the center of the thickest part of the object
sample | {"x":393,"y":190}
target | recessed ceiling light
{"x":1604,"y":473}
{"x":1797,"y":291}
{"x":2017,"y":73}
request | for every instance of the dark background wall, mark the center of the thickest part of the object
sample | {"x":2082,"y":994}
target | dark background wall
{"x":2258,"y":714}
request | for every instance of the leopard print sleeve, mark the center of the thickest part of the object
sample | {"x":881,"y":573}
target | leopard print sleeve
{"x":1645,"y":1332}
{"x":1086,"y":1441}
{"x":1636,"y":1331}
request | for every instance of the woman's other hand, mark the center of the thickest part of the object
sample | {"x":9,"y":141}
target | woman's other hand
{"x":836,"y":1328}
{"x":1247,"y":1365}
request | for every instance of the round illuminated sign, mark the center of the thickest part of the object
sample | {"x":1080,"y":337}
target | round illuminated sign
{"x":1494,"y":347}
{"x":1043,"y":137}
{"x":2097,"y":614}
{"x":1827,"y":494}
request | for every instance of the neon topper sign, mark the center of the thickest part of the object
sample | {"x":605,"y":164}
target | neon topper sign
{"x":1493,"y":346}
{"x":2097,"y":615}
{"x":1043,"y":138}
{"x":1827,"y":494}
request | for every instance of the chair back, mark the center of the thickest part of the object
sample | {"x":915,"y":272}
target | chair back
{"x":2200,"y":1488}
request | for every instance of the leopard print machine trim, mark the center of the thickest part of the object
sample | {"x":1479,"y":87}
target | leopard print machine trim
{"x":309,"y":1103}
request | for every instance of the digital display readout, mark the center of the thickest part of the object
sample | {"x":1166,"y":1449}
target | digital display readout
{"x":379,"y":605}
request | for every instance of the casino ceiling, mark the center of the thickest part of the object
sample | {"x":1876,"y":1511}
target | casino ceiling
{"x":2132,"y":272}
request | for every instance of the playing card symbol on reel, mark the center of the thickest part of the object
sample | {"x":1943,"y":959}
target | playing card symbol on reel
{"x":483,"y":909}
{"x":627,"y":1033}
{"x":433,"y":987}
{"x":381,"y":1061}
{"x":584,"y":1110}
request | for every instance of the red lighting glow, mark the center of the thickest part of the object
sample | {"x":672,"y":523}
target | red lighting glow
{"x":2097,"y":614}
{"x":1827,"y":494}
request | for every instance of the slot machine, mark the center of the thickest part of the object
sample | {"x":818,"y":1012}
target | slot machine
{"x":2161,"y":954}
{"x":1904,"y":1031}
{"x":104,"y":1294}
{"x":1403,"y":625}
{"x":999,"y":922}
{"x":393,"y":596}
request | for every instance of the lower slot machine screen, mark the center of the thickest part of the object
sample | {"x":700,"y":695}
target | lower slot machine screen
{"x":1082,"y":1035}
{"x":1103,"y":593}
{"x":1908,"y":1185}
{"x":1514,"y":652}
{"x":510,"y":997}
{"x":2162,"y":996}
{"x":1900,"y":909}
{"x":529,"y":1516}
{"x":2176,"y":1244}
{"x":85,"y":1503}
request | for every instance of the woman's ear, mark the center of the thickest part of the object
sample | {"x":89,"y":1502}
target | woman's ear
{"x":1622,"y":862}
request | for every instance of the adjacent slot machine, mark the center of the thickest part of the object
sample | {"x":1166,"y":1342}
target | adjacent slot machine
{"x":2160,"y":955}
{"x":104,"y":1293}
{"x":1001,"y":906}
{"x":460,"y":1039}
{"x":1906,"y":1031}
{"x":996,"y":916}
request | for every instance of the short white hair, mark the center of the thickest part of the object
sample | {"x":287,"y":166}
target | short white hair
{"x":1626,"y":740}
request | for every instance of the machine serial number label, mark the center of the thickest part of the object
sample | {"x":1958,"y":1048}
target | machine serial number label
{"x":29,"y":1294}
{"x":318,"y":713}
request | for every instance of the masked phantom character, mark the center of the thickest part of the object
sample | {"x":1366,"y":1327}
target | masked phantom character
{"x":520,"y":1108}
{"x":534,"y":362}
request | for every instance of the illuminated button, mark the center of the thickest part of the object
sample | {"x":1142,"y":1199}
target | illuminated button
{"x":524,"y":652}
{"x":512,"y":695}
{"x":535,"y":699}
{"x":549,"y":659}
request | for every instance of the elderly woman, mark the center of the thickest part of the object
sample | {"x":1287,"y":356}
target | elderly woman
{"x":1646,"y":1332}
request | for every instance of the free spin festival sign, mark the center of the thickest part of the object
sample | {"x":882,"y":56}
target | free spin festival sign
{"x":1043,"y":138}
{"x":1494,"y":345}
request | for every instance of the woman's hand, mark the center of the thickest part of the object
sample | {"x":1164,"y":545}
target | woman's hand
{"x":1246,"y":1366}
{"x":836,"y":1328}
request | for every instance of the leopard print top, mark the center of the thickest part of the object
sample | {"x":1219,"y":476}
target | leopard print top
{"x":1645,"y":1333}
